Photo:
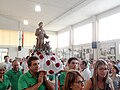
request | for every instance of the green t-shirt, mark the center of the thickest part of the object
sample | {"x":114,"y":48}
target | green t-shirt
{"x":5,"y":84}
{"x":13,"y":77}
{"x":62,"y":78}
{"x":27,"y":80}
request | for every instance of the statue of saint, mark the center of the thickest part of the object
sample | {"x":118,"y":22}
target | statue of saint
{"x":40,"y":33}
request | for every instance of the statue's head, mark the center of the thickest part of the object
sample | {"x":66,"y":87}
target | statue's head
{"x":40,"y":24}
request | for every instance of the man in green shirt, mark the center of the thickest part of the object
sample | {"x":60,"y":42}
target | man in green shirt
{"x":72,"y":64}
{"x":34,"y":79}
{"x":14,"y":74}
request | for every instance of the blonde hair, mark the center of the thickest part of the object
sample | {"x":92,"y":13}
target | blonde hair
{"x":95,"y":76}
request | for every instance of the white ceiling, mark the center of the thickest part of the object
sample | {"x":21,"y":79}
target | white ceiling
{"x":56,"y":14}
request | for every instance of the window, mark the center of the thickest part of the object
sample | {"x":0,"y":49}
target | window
{"x":53,"y":40}
{"x":109,"y":28}
{"x":63,"y":39}
{"x":83,"y":34}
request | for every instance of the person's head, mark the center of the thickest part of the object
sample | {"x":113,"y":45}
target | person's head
{"x":73,"y":81}
{"x":100,"y":72}
{"x":27,"y":57}
{"x":2,"y":68}
{"x":72,"y":63}
{"x":10,"y":60}
{"x":83,"y":64}
{"x":115,"y":69}
{"x":33,"y":64}
{"x":92,"y":64}
{"x":15,"y":65}
{"x":113,"y":62}
{"x":6,"y":58}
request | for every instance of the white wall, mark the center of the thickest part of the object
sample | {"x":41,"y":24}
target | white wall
{"x":12,"y":52}
{"x":23,"y":53}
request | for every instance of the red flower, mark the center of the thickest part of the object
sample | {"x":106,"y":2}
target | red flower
{"x":41,"y":56}
{"x":51,"y":72}
{"x":48,"y":62}
{"x":38,"y":52}
{"x":52,"y":58}
{"x":57,"y":64}
{"x":53,"y":53}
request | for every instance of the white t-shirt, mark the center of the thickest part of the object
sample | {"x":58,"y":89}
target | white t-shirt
{"x":8,"y":66}
{"x":86,"y":74}
{"x":25,"y":66}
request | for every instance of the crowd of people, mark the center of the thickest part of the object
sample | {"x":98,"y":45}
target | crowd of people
{"x":77,"y":75}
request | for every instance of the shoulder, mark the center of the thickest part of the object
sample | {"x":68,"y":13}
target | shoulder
{"x":23,"y":76}
{"x":5,"y":76}
{"x":88,"y":84}
{"x":10,"y":71}
{"x":63,"y":74}
{"x":7,"y":72}
{"x":62,"y":78}
{"x":6,"y":79}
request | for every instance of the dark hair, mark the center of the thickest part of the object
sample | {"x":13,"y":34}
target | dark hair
{"x":40,"y":23}
{"x":72,"y":58}
{"x":14,"y":60}
{"x":84,"y":62}
{"x":27,"y":57}
{"x":32,"y":58}
{"x":116,"y":68}
{"x":6,"y":56}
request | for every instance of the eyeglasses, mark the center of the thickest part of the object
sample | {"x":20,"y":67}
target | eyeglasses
{"x":80,"y":82}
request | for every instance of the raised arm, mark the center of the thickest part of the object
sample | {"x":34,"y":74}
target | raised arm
{"x":45,"y":35}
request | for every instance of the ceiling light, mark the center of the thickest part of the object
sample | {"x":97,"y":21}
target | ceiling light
{"x":37,"y":8}
{"x":25,"y":22}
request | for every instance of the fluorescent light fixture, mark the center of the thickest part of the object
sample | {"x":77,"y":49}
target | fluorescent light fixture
{"x":37,"y":8}
{"x":25,"y":22}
